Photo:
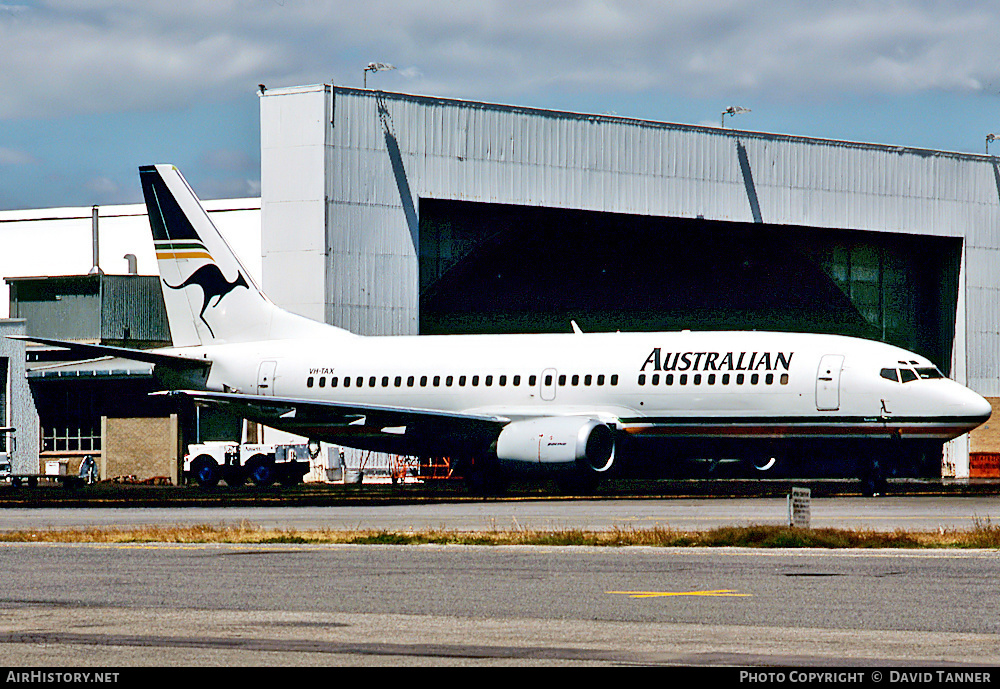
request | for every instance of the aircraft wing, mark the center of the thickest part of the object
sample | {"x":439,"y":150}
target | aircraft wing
{"x":335,"y":420}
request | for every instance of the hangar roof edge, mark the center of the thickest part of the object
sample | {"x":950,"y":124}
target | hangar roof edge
{"x":119,"y":210}
{"x":719,"y":131}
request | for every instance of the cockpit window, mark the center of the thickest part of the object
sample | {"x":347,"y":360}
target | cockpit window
{"x":905,"y":375}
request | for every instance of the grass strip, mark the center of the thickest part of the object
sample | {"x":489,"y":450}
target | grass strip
{"x":983,"y":534}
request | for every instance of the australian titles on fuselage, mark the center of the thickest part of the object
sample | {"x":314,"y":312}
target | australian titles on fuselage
{"x":716,"y":361}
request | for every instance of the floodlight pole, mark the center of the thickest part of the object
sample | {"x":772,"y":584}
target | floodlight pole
{"x":375,"y":67}
{"x":989,"y":138}
{"x":731,"y":111}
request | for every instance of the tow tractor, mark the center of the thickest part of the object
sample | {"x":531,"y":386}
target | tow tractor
{"x":236,"y":463}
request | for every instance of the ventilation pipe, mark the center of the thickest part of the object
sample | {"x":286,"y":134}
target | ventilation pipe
{"x":96,"y":270}
{"x":133,"y":266}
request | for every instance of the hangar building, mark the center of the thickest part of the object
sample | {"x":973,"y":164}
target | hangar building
{"x":387,"y":213}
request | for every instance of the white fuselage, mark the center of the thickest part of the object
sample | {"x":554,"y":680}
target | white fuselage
{"x":679,"y":384}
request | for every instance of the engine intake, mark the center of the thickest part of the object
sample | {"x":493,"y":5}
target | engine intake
{"x":558,"y":442}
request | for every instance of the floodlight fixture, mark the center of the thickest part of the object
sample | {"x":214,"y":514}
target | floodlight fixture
{"x":376,"y":67}
{"x":732,"y":110}
{"x":989,"y":138}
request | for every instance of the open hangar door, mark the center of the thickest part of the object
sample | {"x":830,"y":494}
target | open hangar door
{"x":491,"y":268}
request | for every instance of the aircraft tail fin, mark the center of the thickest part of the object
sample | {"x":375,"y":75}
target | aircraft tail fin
{"x":209,"y":295}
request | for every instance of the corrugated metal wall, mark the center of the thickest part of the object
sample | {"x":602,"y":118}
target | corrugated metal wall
{"x":132,"y":309}
{"x":383,"y":152}
{"x":102,"y":308}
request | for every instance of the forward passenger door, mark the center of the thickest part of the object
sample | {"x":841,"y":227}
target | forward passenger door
{"x":828,"y":382}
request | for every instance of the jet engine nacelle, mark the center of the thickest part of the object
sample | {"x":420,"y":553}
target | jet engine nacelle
{"x":557,"y":442}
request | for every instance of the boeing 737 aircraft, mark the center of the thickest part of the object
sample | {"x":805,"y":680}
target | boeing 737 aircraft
{"x":577,"y":404}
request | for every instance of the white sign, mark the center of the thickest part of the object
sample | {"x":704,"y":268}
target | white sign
{"x":798,"y":508}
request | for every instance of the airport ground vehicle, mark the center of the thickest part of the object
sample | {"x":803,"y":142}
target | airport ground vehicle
{"x":237,"y":463}
{"x":55,"y":472}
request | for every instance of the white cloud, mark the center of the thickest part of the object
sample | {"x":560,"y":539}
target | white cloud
{"x":100,"y":55}
{"x":10,"y":156}
{"x":101,"y":186}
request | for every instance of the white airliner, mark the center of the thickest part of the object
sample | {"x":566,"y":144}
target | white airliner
{"x":577,"y":404}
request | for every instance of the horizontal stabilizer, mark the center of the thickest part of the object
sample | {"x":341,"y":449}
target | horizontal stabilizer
{"x":148,"y":356}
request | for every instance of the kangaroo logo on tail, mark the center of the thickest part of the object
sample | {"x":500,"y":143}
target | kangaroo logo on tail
{"x":213,"y":285}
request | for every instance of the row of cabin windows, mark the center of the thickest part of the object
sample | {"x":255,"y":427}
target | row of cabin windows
{"x":712,"y":379}
{"x":449,"y":381}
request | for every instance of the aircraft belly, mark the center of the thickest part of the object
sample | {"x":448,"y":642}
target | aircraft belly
{"x":798,"y":428}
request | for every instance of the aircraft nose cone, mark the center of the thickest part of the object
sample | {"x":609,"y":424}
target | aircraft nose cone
{"x":979,"y":407}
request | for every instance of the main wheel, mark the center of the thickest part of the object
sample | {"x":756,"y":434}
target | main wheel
{"x":485,"y":479}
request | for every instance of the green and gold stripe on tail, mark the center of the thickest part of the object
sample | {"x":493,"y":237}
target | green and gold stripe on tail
{"x":184,"y":248}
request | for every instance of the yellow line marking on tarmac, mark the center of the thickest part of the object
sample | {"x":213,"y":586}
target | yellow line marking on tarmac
{"x":720,"y":593}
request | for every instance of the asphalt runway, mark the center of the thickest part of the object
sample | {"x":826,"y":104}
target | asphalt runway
{"x":128,"y":606}
{"x":914,"y":513}
{"x":158,"y":605}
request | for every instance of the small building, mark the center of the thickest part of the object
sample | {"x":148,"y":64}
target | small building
{"x":62,"y":409}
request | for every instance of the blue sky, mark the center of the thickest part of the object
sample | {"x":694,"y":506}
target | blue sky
{"x":91,"y":89}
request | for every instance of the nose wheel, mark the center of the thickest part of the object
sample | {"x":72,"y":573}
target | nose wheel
{"x":873,"y":480}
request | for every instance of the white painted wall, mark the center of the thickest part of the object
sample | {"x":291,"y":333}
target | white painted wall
{"x":57,"y":241}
